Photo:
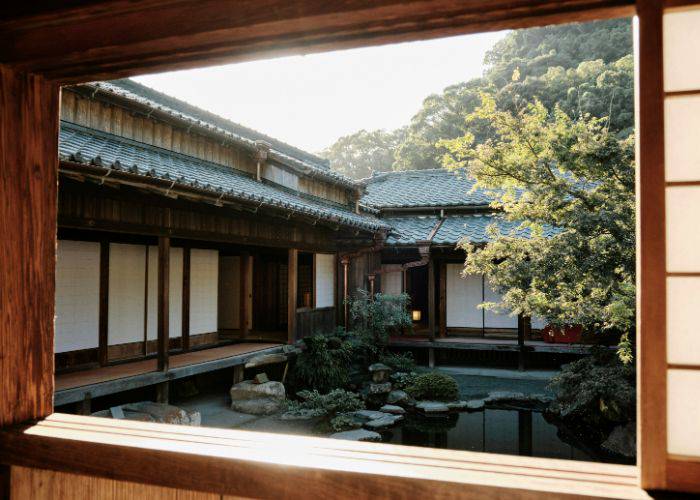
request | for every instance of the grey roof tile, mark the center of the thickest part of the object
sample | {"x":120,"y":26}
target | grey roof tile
{"x":86,"y":145}
{"x":285,"y":153}
{"x":473,"y":228}
{"x":422,"y":188}
{"x":409,"y":230}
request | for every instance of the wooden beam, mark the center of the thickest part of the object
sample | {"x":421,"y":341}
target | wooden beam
{"x":431,"y":300}
{"x":443,"y":299}
{"x":246,"y":264}
{"x":163,"y":301}
{"x":651,"y":248}
{"x":103,"y":325}
{"x":186,"y":268}
{"x":292,"y":282}
{"x":345,"y":261}
{"x":160,"y":35}
{"x":28,"y":182}
{"x":521,"y":342}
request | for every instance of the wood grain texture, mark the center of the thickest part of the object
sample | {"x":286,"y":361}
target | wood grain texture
{"x":41,"y":484}
{"x":651,"y":249}
{"x":28,"y":182}
{"x":159,"y":35}
{"x":255,"y":464}
{"x":292,"y":288}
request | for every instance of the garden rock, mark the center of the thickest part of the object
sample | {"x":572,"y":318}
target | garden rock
{"x":398,"y":397}
{"x":369,"y":414}
{"x":381,"y":388}
{"x":432,"y":407}
{"x":475,"y":405}
{"x":257,"y":406}
{"x":380,"y":372}
{"x":250,"y":390}
{"x":382,"y":423}
{"x":457,"y":405}
{"x":261,"y":378}
{"x":393,"y":409}
{"x":302,"y":414}
{"x":622,"y":440}
{"x":357,"y":435}
{"x":147,"y":411}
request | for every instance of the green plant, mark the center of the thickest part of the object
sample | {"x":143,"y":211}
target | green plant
{"x":376,"y":316}
{"x":597,"y":392}
{"x":402,"y":380}
{"x":344,"y":422}
{"x":434,"y":386}
{"x":401,"y":362}
{"x":324,"y":363}
{"x":331,"y":404}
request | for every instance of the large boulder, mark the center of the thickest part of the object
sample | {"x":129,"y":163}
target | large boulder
{"x":622,"y":440}
{"x":248,"y":389}
{"x":398,"y":397}
{"x":258,"y":406}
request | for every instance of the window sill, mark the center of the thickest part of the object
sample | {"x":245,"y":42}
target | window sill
{"x":274,"y":465}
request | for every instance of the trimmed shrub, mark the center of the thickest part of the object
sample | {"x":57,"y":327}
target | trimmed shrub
{"x":330,"y":404}
{"x":323,"y":365}
{"x":434,"y":386}
{"x":399,"y":363}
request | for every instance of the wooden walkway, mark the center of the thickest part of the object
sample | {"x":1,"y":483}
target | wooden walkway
{"x":74,"y":387}
{"x":487,"y":344}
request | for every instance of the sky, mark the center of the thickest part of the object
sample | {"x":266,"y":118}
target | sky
{"x":311,"y":101}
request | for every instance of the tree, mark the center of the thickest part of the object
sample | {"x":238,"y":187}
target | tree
{"x":364,"y":152}
{"x":570,"y":177}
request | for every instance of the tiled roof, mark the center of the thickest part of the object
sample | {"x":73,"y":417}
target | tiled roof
{"x":281,"y":152}
{"x":89,"y":146}
{"x":453,"y":229}
{"x":409,"y":230}
{"x":422,"y":188}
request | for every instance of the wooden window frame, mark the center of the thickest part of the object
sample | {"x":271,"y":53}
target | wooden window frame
{"x":151,"y":37}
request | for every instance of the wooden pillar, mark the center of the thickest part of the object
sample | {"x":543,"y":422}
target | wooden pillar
{"x":292,"y":277}
{"x":163,"y":392}
{"x":521,"y":343}
{"x":346,"y":312}
{"x":163,"y":301}
{"x":442,"y":299}
{"x":431,"y":300}
{"x":186,"y":269}
{"x":84,"y":406}
{"x":524,"y":433}
{"x":371,"y":279}
{"x":245,"y":271}
{"x":28,"y":182}
{"x":103,"y":342}
{"x":431,"y":357}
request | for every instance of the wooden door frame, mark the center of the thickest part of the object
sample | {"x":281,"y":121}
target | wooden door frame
{"x":152,"y":37}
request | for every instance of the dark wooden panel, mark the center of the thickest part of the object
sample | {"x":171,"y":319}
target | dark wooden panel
{"x":186,"y":253}
{"x":163,"y":301}
{"x":155,"y":35}
{"x":292,"y":281}
{"x":28,"y":176}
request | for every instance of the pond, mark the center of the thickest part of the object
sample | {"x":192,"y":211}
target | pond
{"x":513,"y":432}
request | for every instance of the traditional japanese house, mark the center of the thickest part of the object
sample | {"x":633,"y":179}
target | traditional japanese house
{"x":431,"y":212}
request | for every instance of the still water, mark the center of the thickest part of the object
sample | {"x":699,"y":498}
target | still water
{"x":514,"y":432}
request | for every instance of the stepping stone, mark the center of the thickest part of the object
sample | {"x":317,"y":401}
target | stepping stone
{"x":357,"y":435}
{"x":457,"y":405}
{"x":432,"y":407}
{"x":384,"y":422}
{"x":369,"y":414}
{"x":393,"y":409}
{"x":398,"y":397}
{"x":475,"y":405}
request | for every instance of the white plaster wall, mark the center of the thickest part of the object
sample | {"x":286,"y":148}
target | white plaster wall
{"x":229,"y":292}
{"x":391,"y":282}
{"x":127,"y":281}
{"x":325,"y":280}
{"x":493,"y":319}
{"x":175,"y":287}
{"x":464,"y":294}
{"x":204,"y":294}
{"x":77,"y":295}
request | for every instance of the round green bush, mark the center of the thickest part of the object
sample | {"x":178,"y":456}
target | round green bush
{"x":434,"y":386}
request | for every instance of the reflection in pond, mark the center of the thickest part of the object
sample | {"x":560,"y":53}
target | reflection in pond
{"x":514,"y":432}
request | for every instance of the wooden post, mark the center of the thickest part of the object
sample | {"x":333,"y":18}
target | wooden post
{"x":186,"y":267}
{"x":431,"y":299}
{"x":346,"y":313}
{"x":371,"y":279}
{"x":292,"y":278}
{"x":431,"y":357}
{"x":28,"y":184}
{"x":103,"y":342}
{"x":163,"y":392}
{"x":84,"y":406}
{"x":163,"y":301}
{"x":521,"y":343}
{"x":238,"y":374}
{"x":245,"y":271}
{"x":443,"y":300}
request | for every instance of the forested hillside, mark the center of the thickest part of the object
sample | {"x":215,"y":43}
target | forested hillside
{"x":582,"y":68}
